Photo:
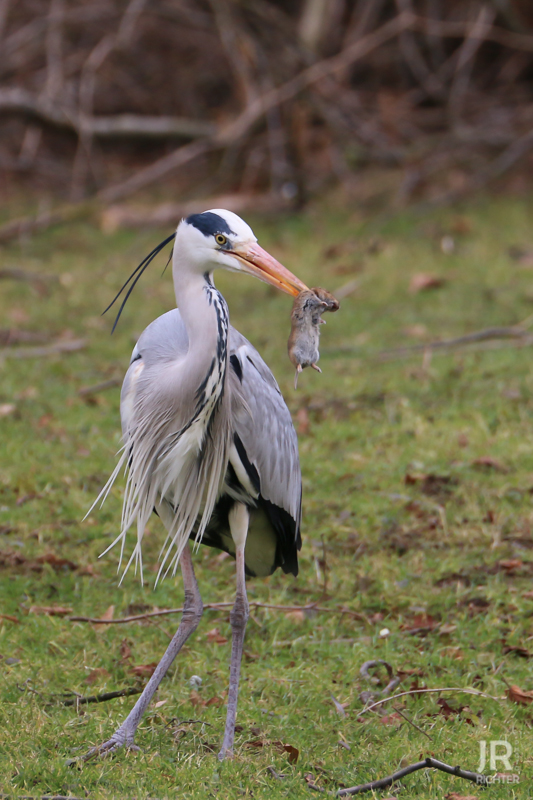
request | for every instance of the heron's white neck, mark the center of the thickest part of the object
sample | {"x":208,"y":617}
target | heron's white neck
{"x":205,"y":315}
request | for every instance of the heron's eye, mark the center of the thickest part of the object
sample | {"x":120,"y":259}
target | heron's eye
{"x":221,"y":239}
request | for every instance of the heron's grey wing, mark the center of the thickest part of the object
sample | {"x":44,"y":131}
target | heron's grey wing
{"x":163,"y":341}
{"x":267,"y":444}
{"x":167,"y":454}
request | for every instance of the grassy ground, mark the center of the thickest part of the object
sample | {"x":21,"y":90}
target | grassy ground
{"x":418,"y":477}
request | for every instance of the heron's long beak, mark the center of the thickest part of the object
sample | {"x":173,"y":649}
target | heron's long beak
{"x":256,"y":261}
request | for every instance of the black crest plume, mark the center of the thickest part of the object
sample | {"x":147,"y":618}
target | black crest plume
{"x":136,"y":274}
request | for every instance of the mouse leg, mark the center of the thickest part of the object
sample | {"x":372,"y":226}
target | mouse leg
{"x":298,"y":370}
{"x":317,"y":368}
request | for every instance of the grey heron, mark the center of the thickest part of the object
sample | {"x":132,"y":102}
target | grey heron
{"x":209,"y":443}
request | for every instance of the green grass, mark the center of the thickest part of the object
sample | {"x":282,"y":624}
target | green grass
{"x":397,"y":553}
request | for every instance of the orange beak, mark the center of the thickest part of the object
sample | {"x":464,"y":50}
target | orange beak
{"x":256,"y":261}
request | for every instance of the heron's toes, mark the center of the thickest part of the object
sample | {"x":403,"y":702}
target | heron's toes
{"x":111,"y":746}
{"x":225,"y":753}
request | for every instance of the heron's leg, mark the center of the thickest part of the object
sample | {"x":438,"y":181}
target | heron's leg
{"x":238,"y":521}
{"x":192,"y":613}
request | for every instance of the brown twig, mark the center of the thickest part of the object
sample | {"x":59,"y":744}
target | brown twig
{"x":88,"y":391}
{"x":67,"y":346}
{"x":97,"y":698}
{"x":427,"y":691}
{"x":487,"y":334}
{"x":15,"y":274}
{"x":410,"y":721}
{"x":217,"y":607}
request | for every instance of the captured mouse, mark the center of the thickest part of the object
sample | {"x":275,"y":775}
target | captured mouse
{"x":306,"y":316}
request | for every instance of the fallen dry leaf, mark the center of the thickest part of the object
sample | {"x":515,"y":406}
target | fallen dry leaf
{"x":518,"y":695}
{"x":420,"y":623}
{"x":447,"y":710}
{"x":423,"y":281}
{"x":195,"y":698}
{"x":391,"y":719}
{"x":519,"y":651}
{"x":257,"y":744}
{"x":6,"y":409}
{"x":403,"y":673}
{"x":125,"y":651}
{"x":303,"y":423}
{"x":108,"y":613}
{"x":487,"y":462}
{"x":528,"y":595}
{"x":95,"y":675}
{"x":10,"y":618}
{"x":55,"y":561}
{"x":51,"y":611}
{"x":159,"y":703}
{"x":456,"y":796}
{"x":214,"y":701}
{"x":215,"y":636}
{"x":293,"y":752}
{"x":144,"y":670}
{"x":511,"y":564}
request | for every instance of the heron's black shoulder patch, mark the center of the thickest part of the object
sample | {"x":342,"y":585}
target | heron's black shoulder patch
{"x":236,"y":364}
{"x":209,"y":224}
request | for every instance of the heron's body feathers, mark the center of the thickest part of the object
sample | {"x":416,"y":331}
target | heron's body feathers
{"x":240,"y":406}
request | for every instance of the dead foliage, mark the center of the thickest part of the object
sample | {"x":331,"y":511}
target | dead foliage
{"x":518,"y":695}
{"x":281,"y":747}
{"x":440,"y":487}
{"x":89,"y":95}
{"x":51,"y":611}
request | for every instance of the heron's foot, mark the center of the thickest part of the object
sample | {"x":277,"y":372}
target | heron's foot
{"x":118,"y":740}
{"x":225,"y":752}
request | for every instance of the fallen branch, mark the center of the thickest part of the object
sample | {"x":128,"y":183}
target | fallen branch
{"x":489,"y":334}
{"x":41,"y":797}
{"x":67,"y":346}
{"x":217,"y":607}
{"x":427,"y":691}
{"x":88,"y":391}
{"x":487,"y":339}
{"x":79,"y":700}
{"x":433,"y":763}
{"x":23,"y":226}
{"x":15,"y":274}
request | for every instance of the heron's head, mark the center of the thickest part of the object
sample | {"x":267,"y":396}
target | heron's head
{"x":219,"y":239}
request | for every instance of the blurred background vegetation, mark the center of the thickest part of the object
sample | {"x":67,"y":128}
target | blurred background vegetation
{"x":279,"y":100}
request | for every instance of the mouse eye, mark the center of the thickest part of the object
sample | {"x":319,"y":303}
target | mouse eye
{"x":220,"y":239}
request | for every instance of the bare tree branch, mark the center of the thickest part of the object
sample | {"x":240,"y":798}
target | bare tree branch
{"x":21,"y":101}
